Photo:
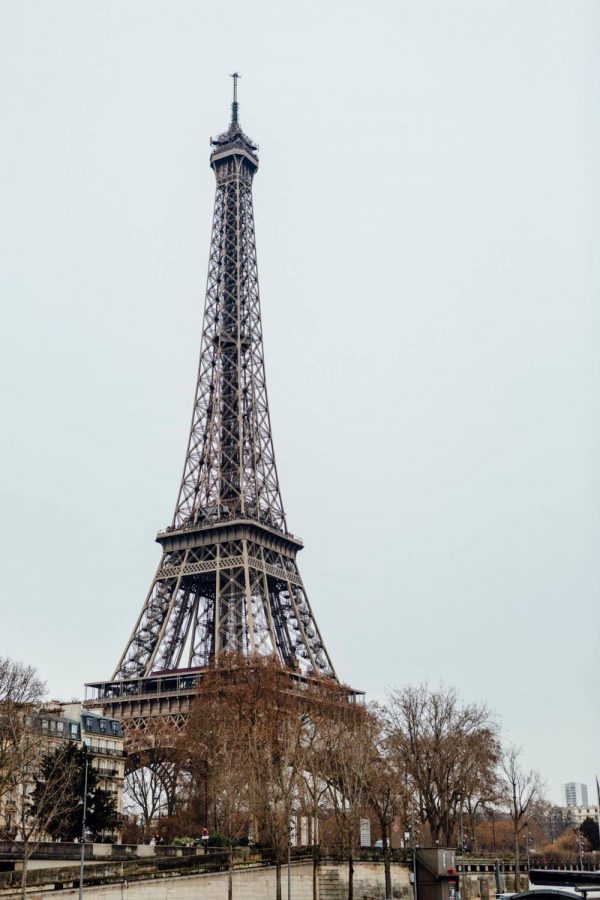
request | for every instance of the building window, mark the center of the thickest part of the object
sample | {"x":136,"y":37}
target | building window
{"x":115,"y":727}
{"x":102,"y":726}
{"x":60,"y":727}
{"x":74,"y":733}
{"x":88,"y":724}
{"x":44,"y":724}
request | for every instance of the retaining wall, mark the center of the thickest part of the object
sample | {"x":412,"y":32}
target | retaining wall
{"x":258,"y":883}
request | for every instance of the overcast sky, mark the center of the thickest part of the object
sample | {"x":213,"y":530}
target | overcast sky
{"x":427,"y":212}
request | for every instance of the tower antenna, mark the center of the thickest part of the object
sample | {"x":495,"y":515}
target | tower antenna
{"x":234,"y":105}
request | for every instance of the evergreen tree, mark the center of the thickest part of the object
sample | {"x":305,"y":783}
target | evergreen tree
{"x":101,"y":814}
{"x":589,"y":829}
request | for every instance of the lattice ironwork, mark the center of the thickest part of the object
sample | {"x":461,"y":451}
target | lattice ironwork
{"x":228,"y":579}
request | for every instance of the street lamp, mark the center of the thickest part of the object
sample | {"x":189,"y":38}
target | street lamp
{"x":82,"y":855}
{"x":462,"y":852}
{"x":289,"y":862}
{"x":415,"y":841}
{"x":579,"y":847}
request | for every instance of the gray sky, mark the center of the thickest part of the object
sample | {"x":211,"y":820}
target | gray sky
{"x":428,"y":223}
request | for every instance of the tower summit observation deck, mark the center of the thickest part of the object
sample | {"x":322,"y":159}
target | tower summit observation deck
{"x":227,"y":581}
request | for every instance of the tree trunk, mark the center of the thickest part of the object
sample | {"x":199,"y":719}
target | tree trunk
{"x":230,"y":873}
{"x":446,"y":830}
{"x":350,"y":875}
{"x":206,"y":807}
{"x":472,"y":825}
{"x":278,"y":878}
{"x":386,"y":859}
{"x":24,"y":877}
{"x":517,"y":861}
{"x":315,"y":848}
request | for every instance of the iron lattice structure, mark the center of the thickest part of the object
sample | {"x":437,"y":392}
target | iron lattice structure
{"x":228,"y":581}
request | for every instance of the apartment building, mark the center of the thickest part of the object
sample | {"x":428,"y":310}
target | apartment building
{"x":103,"y":738}
{"x":580,"y":813}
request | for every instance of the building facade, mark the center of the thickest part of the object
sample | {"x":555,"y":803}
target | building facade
{"x":103,"y":737}
{"x":52,"y":723}
{"x":579,"y":814}
{"x":575,"y":793}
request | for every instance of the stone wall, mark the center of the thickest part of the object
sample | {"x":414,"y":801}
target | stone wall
{"x":258,"y":883}
{"x":369,"y":881}
{"x":248,"y":884}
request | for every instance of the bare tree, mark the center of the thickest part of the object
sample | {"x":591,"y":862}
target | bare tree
{"x":480,"y":798}
{"x":266,"y":749}
{"x":313,"y":787}
{"x":385,"y":786}
{"x":156,"y":778}
{"x":522,"y":790}
{"x":27,"y":763}
{"x":449,"y":750}
{"x":145,"y":792}
{"x":19,"y":683}
{"x":54,"y":787}
{"x":246,"y":738}
{"x":215,"y":739}
{"x":348,"y":755}
{"x":554,"y":820}
{"x":276,"y":746}
{"x":20,"y":689}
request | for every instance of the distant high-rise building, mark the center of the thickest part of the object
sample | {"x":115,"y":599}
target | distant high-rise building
{"x":575,"y":794}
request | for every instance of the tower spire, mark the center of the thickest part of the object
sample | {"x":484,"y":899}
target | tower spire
{"x":234,"y":105}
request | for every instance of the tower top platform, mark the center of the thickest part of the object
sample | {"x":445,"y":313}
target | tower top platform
{"x":233,"y":141}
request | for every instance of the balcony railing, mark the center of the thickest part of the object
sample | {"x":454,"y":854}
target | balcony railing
{"x":186,"y":683}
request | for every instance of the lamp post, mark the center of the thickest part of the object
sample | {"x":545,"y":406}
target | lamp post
{"x":415,"y":833}
{"x":289,"y":863}
{"x":462,"y":852}
{"x":82,"y":856}
{"x":579,"y":847}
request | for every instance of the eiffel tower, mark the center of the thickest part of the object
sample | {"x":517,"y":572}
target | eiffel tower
{"x":227,"y":582}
